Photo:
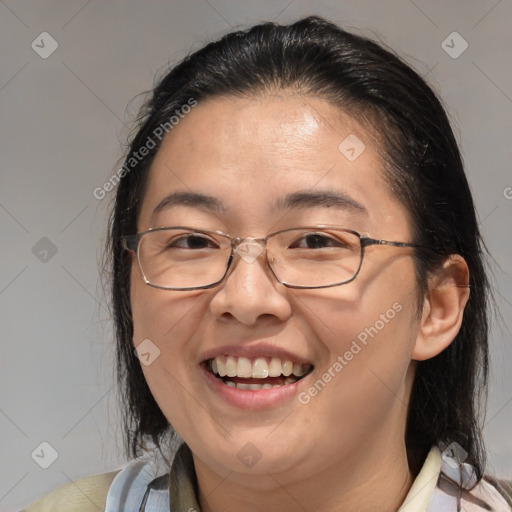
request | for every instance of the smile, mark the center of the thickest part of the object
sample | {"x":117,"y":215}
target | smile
{"x":255,"y":374}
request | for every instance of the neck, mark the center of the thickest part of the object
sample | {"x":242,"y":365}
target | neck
{"x":378,"y":479}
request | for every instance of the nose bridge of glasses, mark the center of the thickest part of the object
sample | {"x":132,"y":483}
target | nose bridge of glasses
{"x":249,"y":249}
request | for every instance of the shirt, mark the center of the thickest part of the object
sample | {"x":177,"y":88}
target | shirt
{"x":146,"y":484}
{"x":442,"y":485}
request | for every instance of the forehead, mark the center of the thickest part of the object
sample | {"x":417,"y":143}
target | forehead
{"x":240,"y":133}
{"x":250,"y":152}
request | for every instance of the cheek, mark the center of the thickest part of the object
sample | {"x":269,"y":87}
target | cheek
{"x":367,"y":334}
{"x":379,"y":315}
{"x":164,"y":316}
{"x":363,"y":383}
{"x":164,"y":323}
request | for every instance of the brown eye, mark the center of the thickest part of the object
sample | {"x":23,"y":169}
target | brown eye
{"x":316,"y":241}
{"x":192,"y":241}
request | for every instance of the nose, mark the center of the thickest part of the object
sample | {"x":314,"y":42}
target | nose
{"x":250,"y":293}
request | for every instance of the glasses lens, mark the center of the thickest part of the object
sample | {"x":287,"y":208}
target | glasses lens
{"x":180,"y":258}
{"x":302,"y":257}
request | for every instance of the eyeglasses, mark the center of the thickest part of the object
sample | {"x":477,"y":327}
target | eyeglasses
{"x":185,"y":258}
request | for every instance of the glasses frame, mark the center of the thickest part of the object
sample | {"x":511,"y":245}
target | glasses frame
{"x":131,"y":244}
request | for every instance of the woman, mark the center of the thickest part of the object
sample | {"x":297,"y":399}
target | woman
{"x":298,"y":288}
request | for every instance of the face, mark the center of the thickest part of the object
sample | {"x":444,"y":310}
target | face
{"x":354,"y":340}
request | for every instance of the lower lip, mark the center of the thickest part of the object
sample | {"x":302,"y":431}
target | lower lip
{"x":253,"y":399}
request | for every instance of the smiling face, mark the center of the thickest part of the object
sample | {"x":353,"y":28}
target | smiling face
{"x":249,"y":167}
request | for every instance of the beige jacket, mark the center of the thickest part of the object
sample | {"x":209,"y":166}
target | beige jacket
{"x":87,"y":494}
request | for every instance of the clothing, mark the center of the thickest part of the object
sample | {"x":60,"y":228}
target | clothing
{"x":144,"y":485}
{"x":84,"y":495}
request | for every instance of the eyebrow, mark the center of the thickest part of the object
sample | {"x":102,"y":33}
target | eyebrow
{"x":300,"y":199}
{"x":193,"y":199}
{"x":322,"y":198}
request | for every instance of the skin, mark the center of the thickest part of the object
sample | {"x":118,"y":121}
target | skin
{"x":345,"y":449}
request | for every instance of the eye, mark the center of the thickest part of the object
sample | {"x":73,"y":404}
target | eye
{"x":192,"y":241}
{"x":317,"y":241}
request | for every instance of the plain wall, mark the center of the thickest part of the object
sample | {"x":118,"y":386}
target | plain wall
{"x":62,"y":121}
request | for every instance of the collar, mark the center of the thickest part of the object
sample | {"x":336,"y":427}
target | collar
{"x":183,"y":483}
{"x":418,"y":497}
{"x":145,"y":485}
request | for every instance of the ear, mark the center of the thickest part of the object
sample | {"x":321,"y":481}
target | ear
{"x":443,"y":307}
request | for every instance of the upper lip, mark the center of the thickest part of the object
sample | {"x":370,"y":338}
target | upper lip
{"x":253,"y":351}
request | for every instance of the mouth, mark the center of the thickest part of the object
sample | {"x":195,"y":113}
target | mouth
{"x":254,"y":374}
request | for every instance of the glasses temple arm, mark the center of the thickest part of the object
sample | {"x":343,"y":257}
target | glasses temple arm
{"x":372,"y":241}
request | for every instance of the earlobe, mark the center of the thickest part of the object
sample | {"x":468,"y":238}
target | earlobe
{"x":443,"y":308}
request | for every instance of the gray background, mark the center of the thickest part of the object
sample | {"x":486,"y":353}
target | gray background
{"x":63,"y":119}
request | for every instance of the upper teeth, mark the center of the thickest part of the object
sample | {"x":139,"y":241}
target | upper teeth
{"x":260,"y":368}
